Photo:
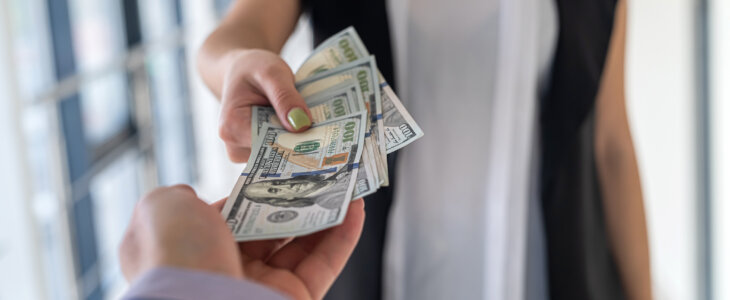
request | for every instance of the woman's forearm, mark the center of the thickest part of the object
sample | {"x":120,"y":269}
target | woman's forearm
{"x":625,"y":216}
{"x":219,"y":51}
{"x":249,"y":24}
{"x":618,"y":171}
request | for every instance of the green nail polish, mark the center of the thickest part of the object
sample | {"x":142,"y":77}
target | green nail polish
{"x":298,"y":118}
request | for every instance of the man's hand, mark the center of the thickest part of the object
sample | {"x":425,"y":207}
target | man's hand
{"x":304,"y":267}
{"x":172,"y":227}
{"x":257,"y":77}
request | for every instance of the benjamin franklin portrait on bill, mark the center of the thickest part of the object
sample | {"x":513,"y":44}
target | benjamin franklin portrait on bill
{"x":327,"y":190}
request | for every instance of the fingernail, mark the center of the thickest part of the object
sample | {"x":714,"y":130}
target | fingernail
{"x":298,"y":119}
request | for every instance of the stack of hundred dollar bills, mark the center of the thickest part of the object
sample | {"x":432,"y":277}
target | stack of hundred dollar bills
{"x":299,"y":183}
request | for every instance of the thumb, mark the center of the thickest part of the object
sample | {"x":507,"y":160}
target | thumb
{"x":278,"y":87}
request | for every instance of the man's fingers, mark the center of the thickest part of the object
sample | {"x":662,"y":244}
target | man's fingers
{"x":183,"y":188}
{"x":218,"y":205}
{"x":163,"y":194}
{"x":260,"y":250}
{"x":277,"y":83}
{"x":128,"y":252}
{"x":142,"y":224}
{"x":334,"y":238}
{"x":256,"y":250}
{"x":318,"y":258}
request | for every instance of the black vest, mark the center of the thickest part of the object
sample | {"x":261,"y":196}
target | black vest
{"x":580,"y":262}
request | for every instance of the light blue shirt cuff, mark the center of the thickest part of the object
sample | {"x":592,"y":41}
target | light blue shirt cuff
{"x":167,"y":283}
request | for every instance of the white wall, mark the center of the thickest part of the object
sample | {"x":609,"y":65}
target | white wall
{"x":720,"y":114}
{"x":661,"y":104}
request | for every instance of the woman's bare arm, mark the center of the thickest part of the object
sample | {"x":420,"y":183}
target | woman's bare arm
{"x":618,"y":171}
{"x":249,"y":24}
{"x":240,"y":64}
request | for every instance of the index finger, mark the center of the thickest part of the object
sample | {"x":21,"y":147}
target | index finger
{"x":317,"y":259}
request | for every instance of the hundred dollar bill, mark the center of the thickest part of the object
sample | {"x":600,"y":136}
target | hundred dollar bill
{"x":366,"y":183}
{"x":363,"y":72}
{"x":297,"y":183}
{"x":346,"y":46}
{"x":335,"y":102}
{"x":397,"y":127}
{"x":325,"y":105}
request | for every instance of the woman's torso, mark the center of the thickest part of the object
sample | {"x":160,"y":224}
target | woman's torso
{"x":469,"y":72}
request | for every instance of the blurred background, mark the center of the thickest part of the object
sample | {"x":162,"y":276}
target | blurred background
{"x":100,"y":102}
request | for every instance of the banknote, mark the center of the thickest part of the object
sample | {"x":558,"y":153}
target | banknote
{"x":397,"y":127}
{"x":339,"y":49}
{"x":337,"y":101}
{"x":363,"y":72}
{"x":346,"y":46}
{"x":325,"y":105}
{"x":366,"y":183}
{"x":297,"y":183}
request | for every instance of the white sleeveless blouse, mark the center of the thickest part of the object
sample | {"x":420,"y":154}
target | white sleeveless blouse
{"x":465,"y":211}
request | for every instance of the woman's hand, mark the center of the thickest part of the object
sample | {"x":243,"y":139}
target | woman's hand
{"x":257,"y":77}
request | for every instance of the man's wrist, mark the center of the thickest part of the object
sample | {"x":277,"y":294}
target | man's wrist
{"x":179,"y":283}
{"x":198,"y":265}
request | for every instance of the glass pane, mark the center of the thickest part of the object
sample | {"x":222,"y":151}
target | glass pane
{"x":114,"y":192}
{"x":50,"y":216}
{"x":31,"y":43}
{"x":98,"y":33}
{"x":54,"y":240}
{"x":105,"y":107}
{"x":158,"y":18}
{"x":221,"y":6}
{"x":99,"y":45}
{"x":174,"y":136}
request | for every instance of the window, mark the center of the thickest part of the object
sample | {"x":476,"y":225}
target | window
{"x":99,"y":44}
{"x":114,"y":191}
{"x":106,"y":116}
{"x":167,"y":75}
